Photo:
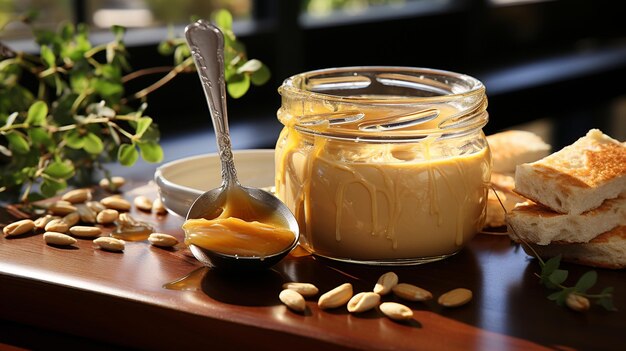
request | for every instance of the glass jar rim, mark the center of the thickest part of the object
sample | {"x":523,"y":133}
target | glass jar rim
{"x":402,"y":87}
{"x":473,"y":85}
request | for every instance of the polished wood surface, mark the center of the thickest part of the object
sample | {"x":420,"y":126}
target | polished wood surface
{"x":118,"y":300}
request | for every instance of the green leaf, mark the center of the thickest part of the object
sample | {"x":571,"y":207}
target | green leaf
{"x":261,"y":76}
{"x":110,"y":72}
{"x":37,"y":114}
{"x":586,"y":281}
{"x":67,"y":31}
{"x":51,"y":187}
{"x":108,"y":89}
{"x":563,"y":296}
{"x":17,"y":143}
{"x":151,"y":151}
{"x":238,"y":85}
{"x":223,"y":19}
{"x":127,"y":154}
{"x":118,"y":31}
{"x":550,"y":266}
{"x":40,"y":137}
{"x":555,"y":296}
{"x":93,"y":144}
{"x":74,"y":140}
{"x":79,"y":82}
{"x":181,"y":53}
{"x":60,"y":169}
{"x":607,"y":304}
{"x":143,"y":124}
{"x":558,"y":276}
{"x":165,"y":48}
{"x":30,"y":16}
{"x":48,"y":56}
{"x":250,"y":66}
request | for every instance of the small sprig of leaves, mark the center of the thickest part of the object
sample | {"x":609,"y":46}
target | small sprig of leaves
{"x":553,"y":277}
{"x":239,"y":71}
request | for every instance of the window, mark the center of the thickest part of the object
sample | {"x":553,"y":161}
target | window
{"x":51,"y":12}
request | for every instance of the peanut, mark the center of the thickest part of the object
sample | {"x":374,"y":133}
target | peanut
{"x":363,"y":301}
{"x":455,"y":298}
{"x":85,"y":231}
{"x":57,"y":225}
{"x":396,"y":311}
{"x":77,"y":196}
{"x":55,"y":238}
{"x":95,"y":206}
{"x":71,"y":218}
{"x":336,"y":297}
{"x":143,"y":203}
{"x":107,"y":216}
{"x":116,"y":203}
{"x":112,"y":185}
{"x":411,"y":292}
{"x":87,"y":215}
{"x":61,"y":208}
{"x":40,"y":223}
{"x":109,"y":244}
{"x":20,"y":227}
{"x":577,"y":302}
{"x":162,"y":240}
{"x":293,"y":300}
{"x":304,"y":289}
{"x":158,"y":207}
{"x":126,"y":220}
{"x":385,"y":283}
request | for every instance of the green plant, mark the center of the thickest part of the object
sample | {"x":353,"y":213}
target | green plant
{"x":553,"y":277}
{"x":66,"y":112}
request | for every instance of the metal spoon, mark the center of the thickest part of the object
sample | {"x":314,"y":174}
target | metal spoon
{"x":207,"y":48}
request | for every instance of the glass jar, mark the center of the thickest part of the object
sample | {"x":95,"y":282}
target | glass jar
{"x":384,"y":165}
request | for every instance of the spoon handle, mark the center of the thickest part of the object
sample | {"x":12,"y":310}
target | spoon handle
{"x":207,"y":48}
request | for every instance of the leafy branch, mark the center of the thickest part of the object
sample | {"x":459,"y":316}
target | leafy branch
{"x":553,"y":277}
{"x":66,"y":111}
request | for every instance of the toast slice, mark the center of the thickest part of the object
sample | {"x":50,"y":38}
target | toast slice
{"x":607,"y":250}
{"x":539,"y":225}
{"x":577,"y":178}
{"x":514,"y":147}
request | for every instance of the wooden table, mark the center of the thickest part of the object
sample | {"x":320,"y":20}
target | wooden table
{"x":102,"y":300}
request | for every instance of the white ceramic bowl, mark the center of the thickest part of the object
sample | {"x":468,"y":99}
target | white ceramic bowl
{"x":180,"y":182}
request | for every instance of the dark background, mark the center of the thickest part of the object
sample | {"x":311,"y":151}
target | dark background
{"x":562,"y":60}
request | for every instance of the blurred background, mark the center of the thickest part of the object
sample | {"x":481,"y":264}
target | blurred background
{"x":555,"y":67}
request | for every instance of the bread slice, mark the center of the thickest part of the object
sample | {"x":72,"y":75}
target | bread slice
{"x":539,"y":225}
{"x":579,"y":177}
{"x":514,"y":147}
{"x":607,"y":250}
{"x":503,"y":184}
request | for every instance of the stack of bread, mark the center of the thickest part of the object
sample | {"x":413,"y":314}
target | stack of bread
{"x":509,"y":149}
{"x":578,"y":203}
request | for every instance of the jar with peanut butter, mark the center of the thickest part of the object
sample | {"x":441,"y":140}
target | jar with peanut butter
{"x":384,"y":165}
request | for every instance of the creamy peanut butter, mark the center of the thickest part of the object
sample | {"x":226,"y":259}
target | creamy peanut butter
{"x":380,"y":201}
{"x":240,"y":229}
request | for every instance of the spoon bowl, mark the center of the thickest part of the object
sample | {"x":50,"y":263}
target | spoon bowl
{"x":207,"y":49}
{"x":211,"y":202}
